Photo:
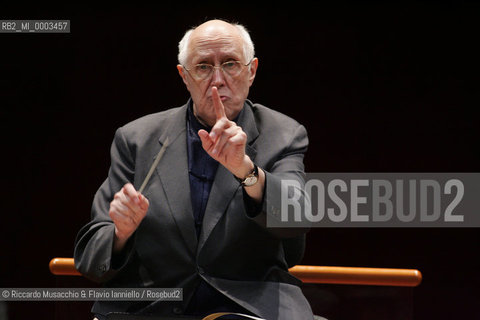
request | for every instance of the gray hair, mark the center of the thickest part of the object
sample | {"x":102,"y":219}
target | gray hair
{"x":248,"y":48}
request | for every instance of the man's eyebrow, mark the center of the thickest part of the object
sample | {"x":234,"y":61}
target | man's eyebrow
{"x":209,"y":59}
{"x":230,"y":57}
{"x":205,"y":59}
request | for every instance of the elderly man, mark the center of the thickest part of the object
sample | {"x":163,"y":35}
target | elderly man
{"x":200,"y":223}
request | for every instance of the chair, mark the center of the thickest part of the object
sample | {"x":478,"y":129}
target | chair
{"x":351,"y":277}
{"x":308,"y":274}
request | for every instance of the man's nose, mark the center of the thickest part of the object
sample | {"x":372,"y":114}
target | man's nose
{"x":218,"y":77}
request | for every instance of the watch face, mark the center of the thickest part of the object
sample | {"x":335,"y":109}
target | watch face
{"x":250,"y":181}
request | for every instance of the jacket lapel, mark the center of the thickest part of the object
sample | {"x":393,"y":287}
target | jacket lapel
{"x":225,"y":185}
{"x":175,"y":180}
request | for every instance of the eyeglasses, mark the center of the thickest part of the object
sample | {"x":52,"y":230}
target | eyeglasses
{"x":204,"y":71}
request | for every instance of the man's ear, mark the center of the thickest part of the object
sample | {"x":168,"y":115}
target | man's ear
{"x":253,"y":70}
{"x":181,"y":72}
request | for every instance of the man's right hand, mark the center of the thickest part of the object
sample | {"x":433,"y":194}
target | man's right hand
{"x":127,"y":210}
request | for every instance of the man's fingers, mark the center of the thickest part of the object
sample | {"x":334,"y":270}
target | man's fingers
{"x":131,"y":193}
{"x":220,"y":126}
{"x":207,"y":142}
{"x":130,"y":203}
{"x":124,"y":210}
{"x":144,"y":203}
{"x":239,"y":138}
{"x":217,"y":104}
{"x":135,"y":200}
{"x":127,"y":210}
{"x":226,"y":135}
{"x":134,"y":196}
{"x":121,"y":219}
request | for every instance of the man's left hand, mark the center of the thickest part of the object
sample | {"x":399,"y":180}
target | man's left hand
{"x":226,"y":141}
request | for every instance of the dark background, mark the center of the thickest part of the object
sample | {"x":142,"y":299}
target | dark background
{"x":380,"y":88}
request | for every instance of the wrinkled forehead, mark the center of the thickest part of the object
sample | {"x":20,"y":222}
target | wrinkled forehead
{"x":218,"y":41}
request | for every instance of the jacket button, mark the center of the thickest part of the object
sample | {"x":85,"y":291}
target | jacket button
{"x":177,"y":310}
{"x":102,"y":268}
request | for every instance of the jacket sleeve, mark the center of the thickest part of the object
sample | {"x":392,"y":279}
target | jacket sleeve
{"x":94,"y":243}
{"x":286,"y":177}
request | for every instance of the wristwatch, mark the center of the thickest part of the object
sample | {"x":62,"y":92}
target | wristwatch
{"x":251,"y":178}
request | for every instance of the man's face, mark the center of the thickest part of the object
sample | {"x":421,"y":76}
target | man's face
{"x":216,"y":42}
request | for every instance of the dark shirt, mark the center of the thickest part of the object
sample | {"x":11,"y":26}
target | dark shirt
{"x":202,"y":169}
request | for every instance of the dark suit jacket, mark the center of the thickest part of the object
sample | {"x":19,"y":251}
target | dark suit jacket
{"x":235,"y":253}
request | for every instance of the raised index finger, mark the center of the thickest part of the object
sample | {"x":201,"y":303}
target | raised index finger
{"x":217,"y":104}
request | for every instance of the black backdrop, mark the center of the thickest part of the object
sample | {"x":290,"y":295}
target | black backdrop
{"x":380,"y":88}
